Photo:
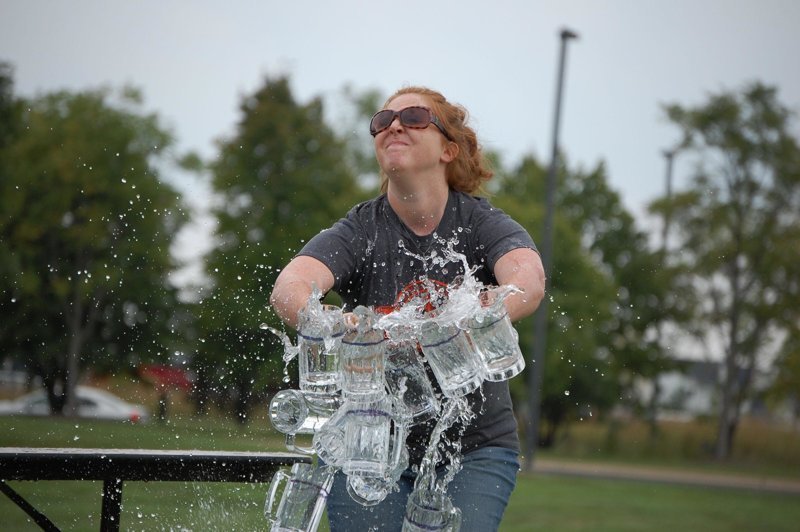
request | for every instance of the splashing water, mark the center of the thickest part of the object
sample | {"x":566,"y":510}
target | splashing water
{"x":493,"y":300}
{"x":464,"y":299}
{"x":289,"y":349}
{"x":455,"y":410}
{"x":322,"y":321}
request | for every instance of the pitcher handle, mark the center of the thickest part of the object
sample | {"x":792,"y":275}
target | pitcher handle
{"x":269,"y":504}
{"x":290,"y":445}
{"x":400,"y":430}
{"x":455,"y":519}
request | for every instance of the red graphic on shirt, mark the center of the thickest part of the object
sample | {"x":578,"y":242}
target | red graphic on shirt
{"x":427,"y":293}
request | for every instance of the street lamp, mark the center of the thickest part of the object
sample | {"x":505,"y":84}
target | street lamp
{"x":669,"y":155}
{"x":540,"y":317}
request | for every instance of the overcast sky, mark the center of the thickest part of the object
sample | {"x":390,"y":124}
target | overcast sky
{"x":194,"y":60}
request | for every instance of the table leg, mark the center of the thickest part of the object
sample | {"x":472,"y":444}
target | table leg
{"x":112,"y":505}
{"x":38,"y":517}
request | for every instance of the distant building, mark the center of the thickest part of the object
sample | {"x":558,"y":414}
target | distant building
{"x":684,"y":394}
{"x":694,"y":392}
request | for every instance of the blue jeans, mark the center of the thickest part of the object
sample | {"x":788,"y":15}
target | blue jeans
{"x":481,"y":490}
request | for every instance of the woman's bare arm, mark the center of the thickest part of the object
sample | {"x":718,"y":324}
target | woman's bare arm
{"x":295,"y":284}
{"x":523,"y":268}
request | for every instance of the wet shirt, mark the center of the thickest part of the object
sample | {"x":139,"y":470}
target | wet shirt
{"x":374,"y":257}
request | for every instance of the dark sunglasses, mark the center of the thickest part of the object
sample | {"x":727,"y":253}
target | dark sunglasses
{"x":414,"y":117}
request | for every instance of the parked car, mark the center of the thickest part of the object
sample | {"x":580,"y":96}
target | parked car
{"x":92,"y":403}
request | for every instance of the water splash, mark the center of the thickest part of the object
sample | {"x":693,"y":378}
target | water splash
{"x":316,"y":313}
{"x":320,"y":320}
{"x":289,"y":349}
{"x":464,"y":299}
{"x":492,"y":300}
{"x":454,"y":410}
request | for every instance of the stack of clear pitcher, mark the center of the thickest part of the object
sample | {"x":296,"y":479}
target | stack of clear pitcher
{"x":362,"y":386}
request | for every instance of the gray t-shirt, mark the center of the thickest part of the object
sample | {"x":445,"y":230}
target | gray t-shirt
{"x":371,"y":255}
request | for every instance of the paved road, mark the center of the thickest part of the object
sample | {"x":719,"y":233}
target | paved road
{"x":671,"y":476}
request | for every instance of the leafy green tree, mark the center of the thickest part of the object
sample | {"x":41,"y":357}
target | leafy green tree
{"x":10,"y":123}
{"x":355,"y":109}
{"x":576,"y":380}
{"x":280,"y":179}
{"x":609,"y":291}
{"x":9,"y":118}
{"x":786,"y":386}
{"x":738,"y":231}
{"x":648,"y":291}
{"x":85,"y":231}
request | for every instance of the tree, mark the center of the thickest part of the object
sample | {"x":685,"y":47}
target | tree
{"x":738,"y":225}
{"x":786,"y":385}
{"x":85,"y":233}
{"x":609,"y":290}
{"x":648,"y":288}
{"x":575,"y":380}
{"x":281,"y":179}
{"x":9,"y":118}
{"x":355,"y":109}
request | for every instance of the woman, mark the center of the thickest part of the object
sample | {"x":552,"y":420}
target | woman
{"x":431,"y":164}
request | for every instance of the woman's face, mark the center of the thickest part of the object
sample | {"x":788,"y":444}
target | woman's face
{"x":402,"y":150}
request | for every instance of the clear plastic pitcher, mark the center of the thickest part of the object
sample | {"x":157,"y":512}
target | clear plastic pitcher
{"x":407,"y":380}
{"x":328,"y":441}
{"x":431,"y":510}
{"x":303,"y":500}
{"x":495,"y":338}
{"x":319,"y":334}
{"x":452,"y":357}
{"x":361,"y":359}
{"x":373,"y":438}
{"x":290,"y":414}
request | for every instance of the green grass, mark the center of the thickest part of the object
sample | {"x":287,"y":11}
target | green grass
{"x":146,"y":505}
{"x":205,"y":433}
{"x":540,"y":502}
{"x":759,"y":448}
{"x":568,"y":503}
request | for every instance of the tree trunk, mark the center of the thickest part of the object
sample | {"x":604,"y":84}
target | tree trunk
{"x":729,"y":408}
{"x":242,"y":405}
{"x":200,"y":390}
{"x":652,"y":409}
{"x":75,"y":333}
{"x":726,"y":426}
{"x":80,"y":321}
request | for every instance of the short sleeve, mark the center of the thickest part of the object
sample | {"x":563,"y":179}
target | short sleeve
{"x":337,"y":247}
{"x":496,"y":233}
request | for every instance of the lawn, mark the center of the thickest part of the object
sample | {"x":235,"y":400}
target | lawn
{"x":569,"y":503}
{"x":539,"y":503}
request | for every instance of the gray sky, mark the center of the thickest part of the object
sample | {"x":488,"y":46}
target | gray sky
{"x":195,"y":59}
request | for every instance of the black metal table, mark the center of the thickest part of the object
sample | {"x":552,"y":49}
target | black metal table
{"x":114,"y":466}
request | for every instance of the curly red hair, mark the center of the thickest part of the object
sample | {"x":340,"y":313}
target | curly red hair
{"x":470,"y":169}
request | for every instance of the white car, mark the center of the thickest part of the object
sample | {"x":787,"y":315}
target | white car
{"x":92,"y":403}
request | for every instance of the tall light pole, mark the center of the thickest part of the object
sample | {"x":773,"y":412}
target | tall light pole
{"x":669,"y":156}
{"x":540,"y":317}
